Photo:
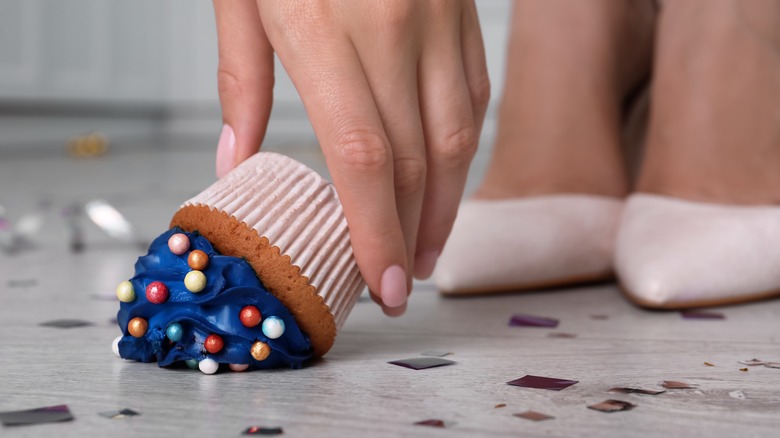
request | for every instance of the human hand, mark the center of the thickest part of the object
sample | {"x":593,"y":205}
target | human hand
{"x":396,"y":92}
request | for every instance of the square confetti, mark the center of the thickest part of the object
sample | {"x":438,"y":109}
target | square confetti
{"x":421,"y":363}
{"x":520,"y":320}
{"x":539,"y":382}
{"x":612,"y":406}
{"x":50,"y":414}
{"x":533,"y":416}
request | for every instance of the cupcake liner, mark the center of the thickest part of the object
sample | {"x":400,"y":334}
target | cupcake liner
{"x":299,"y":212}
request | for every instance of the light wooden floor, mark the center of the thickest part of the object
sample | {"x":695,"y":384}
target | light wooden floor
{"x":354,"y":392}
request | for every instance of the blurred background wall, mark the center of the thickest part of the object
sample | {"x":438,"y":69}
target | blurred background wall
{"x":141,"y":68}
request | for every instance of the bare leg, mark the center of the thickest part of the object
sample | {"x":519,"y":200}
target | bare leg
{"x":715,"y":118}
{"x":570,"y":65}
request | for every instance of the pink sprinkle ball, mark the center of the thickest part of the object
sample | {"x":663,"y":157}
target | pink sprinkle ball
{"x":238,"y":367}
{"x":179,"y":243}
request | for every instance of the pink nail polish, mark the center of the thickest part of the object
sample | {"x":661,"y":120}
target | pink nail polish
{"x":393,"y":285}
{"x":425,"y":263}
{"x":226,"y":151}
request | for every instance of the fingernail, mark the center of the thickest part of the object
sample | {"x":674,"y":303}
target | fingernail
{"x":424,"y":264}
{"x":394,"y":286}
{"x":226,"y":151}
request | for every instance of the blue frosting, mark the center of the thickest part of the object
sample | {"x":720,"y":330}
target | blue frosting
{"x":231,"y":285}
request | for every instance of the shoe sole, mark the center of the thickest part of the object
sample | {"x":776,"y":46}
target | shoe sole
{"x":699,"y":303}
{"x":529,"y":287}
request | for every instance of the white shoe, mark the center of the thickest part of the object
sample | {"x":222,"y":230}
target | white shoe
{"x":672,"y":253}
{"x":529,"y":243}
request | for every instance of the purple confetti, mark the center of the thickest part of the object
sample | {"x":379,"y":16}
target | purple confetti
{"x":539,"y":382}
{"x":259,"y":430}
{"x":520,"y":320}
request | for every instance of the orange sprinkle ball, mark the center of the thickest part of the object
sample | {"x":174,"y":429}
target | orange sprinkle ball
{"x":137,"y":327}
{"x":260,"y":351}
{"x":213,"y":344}
{"x":198,"y":260}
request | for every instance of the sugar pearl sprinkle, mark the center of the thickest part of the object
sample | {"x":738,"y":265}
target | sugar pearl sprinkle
{"x":213,"y":344}
{"x":238,"y":367}
{"x":179,"y":243}
{"x":195,"y":281}
{"x":115,"y":346}
{"x":137,"y":327}
{"x":157,"y":292}
{"x":260,"y":350}
{"x":174,"y":332}
{"x":273,"y":327}
{"x":249,"y":316}
{"x":198,"y":260}
{"x":125,"y":292}
{"x":191,"y":364}
{"x":208,"y":366}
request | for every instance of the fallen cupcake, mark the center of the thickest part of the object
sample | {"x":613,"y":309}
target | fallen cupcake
{"x":256,"y":272}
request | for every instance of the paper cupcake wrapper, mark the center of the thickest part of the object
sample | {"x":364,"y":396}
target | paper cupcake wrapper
{"x":299,"y":212}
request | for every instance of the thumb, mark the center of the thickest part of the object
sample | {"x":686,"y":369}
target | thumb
{"x":246,"y":81}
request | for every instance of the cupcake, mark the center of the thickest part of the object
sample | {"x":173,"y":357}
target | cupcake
{"x":256,"y":272}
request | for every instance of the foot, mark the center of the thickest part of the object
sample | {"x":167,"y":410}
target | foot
{"x":715,"y":119}
{"x":570,"y":65}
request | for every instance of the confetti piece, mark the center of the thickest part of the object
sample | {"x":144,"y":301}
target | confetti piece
{"x":533,"y":416}
{"x":561,"y":335}
{"x":65,"y":323}
{"x":500,"y":405}
{"x":752,"y":362}
{"x":118,"y":415}
{"x":520,"y":320}
{"x":421,"y":363}
{"x":27,"y":282}
{"x":542,"y":383}
{"x":431,"y":423}
{"x":599,"y":317}
{"x":673,"y":384}
{"x":707,"y":364}
{"x":436,"y":353}
{"x":612,"y":406}
{"x":637,"y":390}
{"x":259,"y":430}
{"x":743,"y":369}
{"x":739,"y":395}
{"x":49,"y":414}
{"x":772,"y":364}
{"x":700,"y":314}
